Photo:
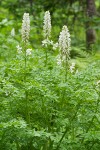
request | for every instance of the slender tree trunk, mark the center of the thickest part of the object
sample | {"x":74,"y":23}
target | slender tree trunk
{"x":90,"y":32}
{"x":31,"y":6}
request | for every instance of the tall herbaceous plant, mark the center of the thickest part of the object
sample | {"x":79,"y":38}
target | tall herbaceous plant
{"x":26,"y":51}
{"x":47,"y":34}
{"x":63,"y":51}
{"x":45,"y":103}
{"x":25,"y":34}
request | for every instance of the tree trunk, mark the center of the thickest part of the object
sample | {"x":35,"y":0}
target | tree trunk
{"x":90,"y":32}
{"x":31,"y":6}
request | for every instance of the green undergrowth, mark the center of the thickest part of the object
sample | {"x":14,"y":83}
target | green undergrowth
{"x":82,"y":63}
{"x":59,"y":114}
{"x":43,"y":105}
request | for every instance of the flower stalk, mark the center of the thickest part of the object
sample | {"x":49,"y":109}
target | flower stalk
{"x":47,"y":25}
{"x":47,"y":33}
{"x":64,"y":43}
{"x":25,"y":40}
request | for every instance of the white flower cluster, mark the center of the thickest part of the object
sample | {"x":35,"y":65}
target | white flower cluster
{"x":47,"y":32}
{"x":28,"y":51}
{"x":25,"y":27}
{"x":64,"y":42}
{"x":47,"y":42}
{"x":47,"y":25}
{"x":19,"y":49}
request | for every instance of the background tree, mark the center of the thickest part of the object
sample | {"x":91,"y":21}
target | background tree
{"x":90,"y":32}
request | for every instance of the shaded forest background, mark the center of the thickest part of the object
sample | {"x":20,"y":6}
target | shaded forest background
{"x":44,"y":104}
{"x":82,"y":17}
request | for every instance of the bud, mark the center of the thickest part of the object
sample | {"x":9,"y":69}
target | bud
{"x":25,"y":27}
{"x":64,"y":42}
{"x":47,"y":25}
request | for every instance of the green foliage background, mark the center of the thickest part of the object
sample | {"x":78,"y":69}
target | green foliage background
{"x":59,"y":114}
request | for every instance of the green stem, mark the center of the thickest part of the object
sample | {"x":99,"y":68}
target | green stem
{"x":67,"y":129}
{"x":26,"y":94}
{"x":66,"y":67}
{"x":91,"y":122}
{"x":46,"y":58}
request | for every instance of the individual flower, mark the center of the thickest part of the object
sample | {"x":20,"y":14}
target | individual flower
{"x":47,"y":25}
{"x":64,"y":42}
{"x":59,"y":60}
{"x":98,"y":83}
{"x":76,"y":71}
{"x":55,"y":46}
{"x":28,"y":51}
{"x":72,"y":67}
{"x":19,"y":49}
{"x":13,"y":32}
{"x":25,"y":27}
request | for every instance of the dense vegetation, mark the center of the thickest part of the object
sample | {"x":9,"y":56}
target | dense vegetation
{"x":49,"y":89}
